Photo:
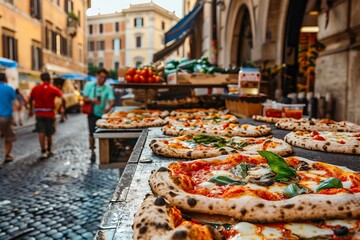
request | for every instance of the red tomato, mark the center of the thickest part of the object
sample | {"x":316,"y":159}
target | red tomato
{"x":142,"y":79}
{"x":318,"y":137}
{"x":131,"y":71}
{"x":157,"y":79}
{"x":150,"y":72}
{"x":136,"y":78}
{"x":226,"y":125}
{"x":341,"y":142}
{"x":138,"y":71}
{"x":129,"y":78}
{"x":151,"y":80}
{"x":314,"y":133}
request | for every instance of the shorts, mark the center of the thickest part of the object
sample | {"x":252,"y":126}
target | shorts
{"x":92,"y":123}
{"x":6,"y":129}
{"x":45,"y":125}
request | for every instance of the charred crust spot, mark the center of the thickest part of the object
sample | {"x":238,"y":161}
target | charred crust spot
{"x":224,"y":153}
{"x":160,"y":201}
{"x":328,"y":202}
{"x":153,"y":141}
{"x":327,"y":143}
{"x":324,"y":147}
{"x":233,"y":206}
{"x":340,"y":208}
{"x":300,"y":208}
{"x":211,"y":207}
{"x":156,"y":145}
{"x":243,"y":211}
{"x":234,"y":151}
{"x":349,"y":214}
{"x":163,"y":225}
{"x":186,"y":217}
{"x":163,"y":169}
{"x":353,"y":150}
{"x":138,"y":225}
{"x":221,"y":149}
{"x":179,"y":235}
{"x":260,"y":205}
{"x":143,"y":220}
{"x":172,"y":194}
{"x":160,"y":210}
{"x":288,"y":206}
{"x":188,"y":153}
{"x":192,"y":202}
{"x":171,"y":188}
{"x":143,"y":229}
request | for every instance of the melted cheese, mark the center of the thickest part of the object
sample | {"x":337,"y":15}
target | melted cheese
{"x":208,"y":185}
{"x":347,"y":184}
{"x":271,"y":233}
{"x":317,"y":172}
{"x":221,"y":173}
{"x":275,"y":188}
{"x":307,"y":231}
{"x":310,"y":185}
{"x":240,"y":237}
{"x":347,"y":223}
{"x":245,"y":228}
{"x":259,"y":171}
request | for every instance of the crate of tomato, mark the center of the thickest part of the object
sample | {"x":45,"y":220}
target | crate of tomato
{"x":142,"y":75}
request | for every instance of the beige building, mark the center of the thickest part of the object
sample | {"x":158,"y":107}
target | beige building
{"x":286,"y":32}
{"x":130,"y":37}
{"x":44,"y":35}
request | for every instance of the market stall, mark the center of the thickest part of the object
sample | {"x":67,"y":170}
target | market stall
{"x":133,"y":185}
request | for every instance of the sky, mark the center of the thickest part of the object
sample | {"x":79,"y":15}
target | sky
{"x":111,"y":6}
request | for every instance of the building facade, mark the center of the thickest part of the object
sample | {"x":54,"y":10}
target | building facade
{"x":44,"y":35}
{"x":130,"y":37}
{"x":281,"y":32}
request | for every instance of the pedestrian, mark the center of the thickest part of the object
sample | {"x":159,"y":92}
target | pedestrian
{"x":7,"y":97}
{"x":102,"y":98}
{"x":42,"y":101}
{"x":19,"y":107}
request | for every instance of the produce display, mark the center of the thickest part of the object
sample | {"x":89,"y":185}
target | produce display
{"x":142,"y":75}
{"x":205,"y":146}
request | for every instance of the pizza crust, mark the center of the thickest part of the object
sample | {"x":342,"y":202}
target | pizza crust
{"x":104,"y":123}
{"x":253,"y":209}
{"x":160,"y":148}
{"x":307,"y":142}
{"x":227,"y":118}
{"x":317,"y":125}
{"x":132,"y":113}
{"x":266,"y":119}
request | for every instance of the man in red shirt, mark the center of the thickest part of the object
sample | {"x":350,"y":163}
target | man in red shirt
{"x":44,"y":96}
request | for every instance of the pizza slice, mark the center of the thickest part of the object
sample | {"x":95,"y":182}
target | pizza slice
{"x":337,"y":142}
{"x":317,"y":125}
{"x":213,"y":118}
{"x":130,"y":122}
{"x":223,"y":129}
{"x":158,"y":219}
{"x":266,"y":119}
{"x":136,"y":112}
{"x":205,"y":146}
{"x":196,"y":111}
{"x":263,"y":188}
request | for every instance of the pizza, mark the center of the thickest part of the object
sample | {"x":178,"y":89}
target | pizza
{"x":159,"y":219}
{"x":317,"y":125}
{"x":262,"y":189}
{"x":205,"y":146}
{"x":130,"y":122}
{"x":196,"y":111}
{"x":137,"y":112}
{"x":213,"y":118}
{"x":337,"y":142}
{"x":266,"y":119}
{"x":198,"y":127}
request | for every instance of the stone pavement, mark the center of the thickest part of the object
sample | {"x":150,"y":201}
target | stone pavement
{"x":62,"y":197}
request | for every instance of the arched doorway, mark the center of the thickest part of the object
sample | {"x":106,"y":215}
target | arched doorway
{"x":242,"y":38}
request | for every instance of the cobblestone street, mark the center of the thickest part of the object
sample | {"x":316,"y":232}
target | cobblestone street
{"x":62,"y":197}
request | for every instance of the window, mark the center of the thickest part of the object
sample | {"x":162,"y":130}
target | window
{"x":91,"y":46}
{"x":162,"y":25}
{"x":35,"y":9}
{"x":120,"y":43}
{"x":68,"y":6}
{"x":101,"y":64}
{"x":80,"y":53}
{"x":9,"y":45}
{"x":36,"y":55}
{"x":101,"y":45}
{"x":138,"y":42}
{"x":100,"y":27}
{"x":47,"y":38}
{"x":138,"y":22}
{"x":117,"y":27}
{"x":10,"y":1}
{"x":58,"y":2}
{"x":90,"y":29}
{"x":63,"y":45}
{"x":116,"y":67}
{"x":79,"y":17}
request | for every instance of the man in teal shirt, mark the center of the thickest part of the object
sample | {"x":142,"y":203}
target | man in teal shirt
{"x":102,"y":98}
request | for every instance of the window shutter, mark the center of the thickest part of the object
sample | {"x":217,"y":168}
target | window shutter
{"x":4,"y":46}
{"x":32,"y":9}
{"x":142,"y":22}
{"x":134,"y":22}
{"x":53,"y":41}
{"x":39,"y":9}
{"x":33,"y":58}
{"x":66,"y":6}
{"x":46,"y":38}
{"x":40,"y":58}
{"x":15,"y":50}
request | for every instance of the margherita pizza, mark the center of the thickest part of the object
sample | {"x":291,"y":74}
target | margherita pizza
{"x":205,"y":146}
{"x":213,"y":118}
{"x":158,"y":219}
{"x":137,"y":112}
{"x":266,"y":119}
{"x":215,"y":129}
{"x":338,"y":142}
{"x":196,"y":112}
{"x":261,"y":189}
{"x":130,"y":122}
{"x":317,"y":125}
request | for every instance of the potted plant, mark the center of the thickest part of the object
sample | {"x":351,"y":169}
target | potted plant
{"x":72,"y":22}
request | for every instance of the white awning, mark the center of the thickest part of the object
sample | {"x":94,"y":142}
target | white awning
{"x":57,"y":69}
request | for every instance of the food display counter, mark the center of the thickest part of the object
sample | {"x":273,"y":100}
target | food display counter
{"x":133,"y":185}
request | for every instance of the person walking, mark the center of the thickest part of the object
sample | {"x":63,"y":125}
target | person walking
{"x":7,"y":97}
{"x":44,"y":97}
{"x":19,"y":108}
{"x":102,"y":98}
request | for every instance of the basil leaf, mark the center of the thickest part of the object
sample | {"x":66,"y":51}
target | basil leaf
{"x":236,"y":145}
{"x":220,"y":145}
{"x":127,"y":121}
{"x":240,"y":170}
{"x":329,"y":183}
{"x":278,"y":165}
{"x":226,"y":180}
{"x":206,"y":139}
{"x":294,"y":189}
